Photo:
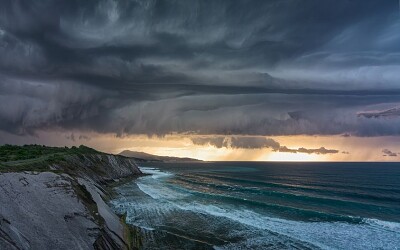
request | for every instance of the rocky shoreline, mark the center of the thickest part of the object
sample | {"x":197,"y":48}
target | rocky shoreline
{"x":65,"y":207}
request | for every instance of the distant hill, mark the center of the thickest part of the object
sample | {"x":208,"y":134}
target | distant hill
{"x":149,"y":157}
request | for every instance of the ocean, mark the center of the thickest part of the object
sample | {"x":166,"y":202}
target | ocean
{"x":264,"y":205}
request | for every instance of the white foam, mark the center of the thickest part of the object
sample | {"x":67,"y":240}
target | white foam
{"x":390,"y":225}
{"x":326,"y":235}
{"x":155,"y":173}
{"x":156,"y":189}
{"x":160,"y":192}
{"x":372,"y":234}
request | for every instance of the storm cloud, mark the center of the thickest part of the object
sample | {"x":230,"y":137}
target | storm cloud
{"x":235,"y":142}
{"x":387,"y":152}
{"x":249,"y":142}
{"x":318,"y":151}
{"x":381,"y":113}
{"x":217,"y":142}
{"x":232,"y":67}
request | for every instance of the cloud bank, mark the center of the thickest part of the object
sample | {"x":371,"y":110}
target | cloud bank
{"x":387,"y":152}
{"x":200,"y":67}
{"x":392,"y":112}
{"x":246,"y":142}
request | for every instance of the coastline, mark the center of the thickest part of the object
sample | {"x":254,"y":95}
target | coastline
{"x":65,"y":203}
{"x":102,"y":201}
{"x":195,"y":203}
{"x":142,"y":237}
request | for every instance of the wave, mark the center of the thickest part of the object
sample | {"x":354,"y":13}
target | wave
{"x":295,"y":212}
{"x":389,"y":225}
{"x":154,"y":172}
{"x":320,"y":189}
{"x":368,"y":233}
{"x":298,"y":202}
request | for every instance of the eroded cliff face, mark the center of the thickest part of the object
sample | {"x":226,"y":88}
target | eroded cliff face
{"x":98,"y":167}
{"x":66,"y":209}
{"x":42,"y":211}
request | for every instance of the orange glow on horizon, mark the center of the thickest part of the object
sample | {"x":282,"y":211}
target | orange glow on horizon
{"x":350,"y":149}
{"x":292,"y":157}
{"x":178,"y":145}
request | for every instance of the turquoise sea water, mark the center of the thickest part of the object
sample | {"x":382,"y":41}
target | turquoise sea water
{"x":244,"y":205}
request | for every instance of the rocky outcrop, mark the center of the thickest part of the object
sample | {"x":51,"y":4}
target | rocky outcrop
{"x":98,"y":167}
{"x":64,"y":209}
{"x":42,"y":211}
{"x":113,"y":230}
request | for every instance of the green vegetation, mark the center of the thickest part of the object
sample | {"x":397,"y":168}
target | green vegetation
{"x":133,"y":235}
{"x":37,"y":157}
{"x":19,"y":153}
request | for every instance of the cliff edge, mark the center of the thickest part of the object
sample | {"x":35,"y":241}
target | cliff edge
{"x":56,"y":198}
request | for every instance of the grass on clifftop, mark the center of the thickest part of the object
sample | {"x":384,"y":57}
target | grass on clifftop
{"x":36,"y":157}
{"x":19,"y":153}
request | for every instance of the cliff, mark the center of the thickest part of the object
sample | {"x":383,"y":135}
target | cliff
{"x":59,"y":202}
{"x":101,"y":168}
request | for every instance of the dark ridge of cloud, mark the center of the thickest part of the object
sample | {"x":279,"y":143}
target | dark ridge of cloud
{"x":247,"y":142}
{"x":253,"y":142}
{"x":321,"y":150}
{"x":285,"y":149}
{"x":380,"y":113}
{"x":146,"y":67}
{"x":217,"y":142}
{"x":387,"y":152}
{"x":346,"y":152}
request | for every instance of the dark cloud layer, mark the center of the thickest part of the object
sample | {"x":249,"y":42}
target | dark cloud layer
{"x":266,"y":67}
{"x":381,"y":113}
{"x":318,"y":151}
{"x":387,"y":152}
{"x":248,"y":142}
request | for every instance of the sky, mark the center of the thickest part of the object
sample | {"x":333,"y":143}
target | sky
{"x":215,"y":80}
